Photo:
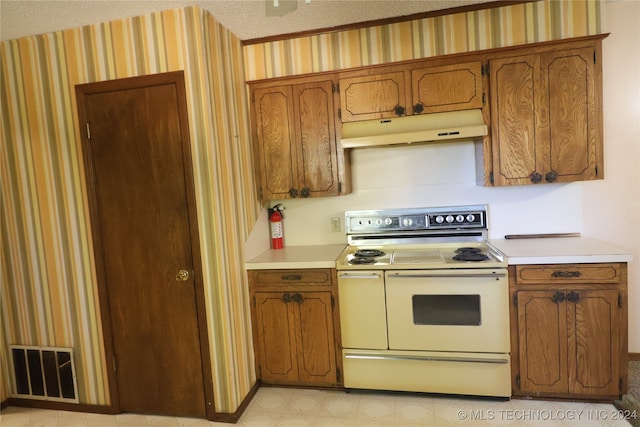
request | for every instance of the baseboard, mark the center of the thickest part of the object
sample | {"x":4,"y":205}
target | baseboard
{"x":60,"y":406}
{"x":223,"y":417}
{"x":4,"y":404}
{"x":633,"y":356}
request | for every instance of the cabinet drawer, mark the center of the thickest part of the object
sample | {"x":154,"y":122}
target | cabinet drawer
{"x":291,"y":277}
{"x":568,"y":273}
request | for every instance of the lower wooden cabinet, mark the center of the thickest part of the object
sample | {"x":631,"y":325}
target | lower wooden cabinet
{"x":295,"y":326}
{"x":569,"y":330}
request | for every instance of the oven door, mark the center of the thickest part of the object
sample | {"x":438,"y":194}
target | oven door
{"x":462,"y":310}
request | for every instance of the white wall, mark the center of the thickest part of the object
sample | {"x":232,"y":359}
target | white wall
{"x":444,"y":175}
{"x":611,"y":208}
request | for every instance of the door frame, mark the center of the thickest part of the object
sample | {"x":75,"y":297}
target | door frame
{"x":177,"y":79}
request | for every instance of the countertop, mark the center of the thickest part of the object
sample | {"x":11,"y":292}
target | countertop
{"x":559,"y":250}
{"x":317,"y":256}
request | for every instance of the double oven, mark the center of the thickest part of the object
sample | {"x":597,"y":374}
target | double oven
{"x":424,"y":303}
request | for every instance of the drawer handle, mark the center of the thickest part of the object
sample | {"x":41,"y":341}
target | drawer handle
{"x":566,"y":274}
{"x":291,"y":277}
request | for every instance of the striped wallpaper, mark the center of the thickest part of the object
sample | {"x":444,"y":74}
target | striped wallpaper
{"x":49,"y":294}
{"x":48,"y":286}
{"x":463,"y":32}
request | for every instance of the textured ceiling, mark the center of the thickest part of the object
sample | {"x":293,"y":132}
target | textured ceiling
{"x":247,"y":19}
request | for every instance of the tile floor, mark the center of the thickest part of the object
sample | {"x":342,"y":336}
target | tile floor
{"x":300,"y":408}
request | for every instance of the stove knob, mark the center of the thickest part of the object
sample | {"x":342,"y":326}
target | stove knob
{"x":449,"y":218}
{"x":439,"y":219}
{"x":460,"y":218}
{"x":379,"y":221}
{"x":407,"y":222}
{"x":471,"y":217}
{"x":388,"y":221}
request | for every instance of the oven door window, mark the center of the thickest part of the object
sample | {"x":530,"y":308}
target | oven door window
{"x":458,"y":310}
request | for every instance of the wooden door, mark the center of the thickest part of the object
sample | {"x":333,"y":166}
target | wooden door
{"x":275,"y":129}
{"x":593,"y":331}
{"x":140,"y":185}
{"x":514,"y":85}
{"x":275,"y":322}
{"x":315,"y":337}
{"x":317,"y":162}
{"x":542,"y":328}
{"x":447,"y":88}
{"x":568,"y":85}
{"x":373,"y":97}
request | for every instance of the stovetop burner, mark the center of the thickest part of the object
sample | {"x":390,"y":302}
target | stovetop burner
{"x":468,"y":250}
{"x":473,"y":256}
{"x":362,"y":260}
{"x":368,"y":253}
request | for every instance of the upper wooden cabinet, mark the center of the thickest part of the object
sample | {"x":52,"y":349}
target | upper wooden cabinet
{"x":546,"y":115}
{"x":412,"y":88}
{"x":447,"y":88}
{"x":294,"y":133}
{"x":379,"y":96}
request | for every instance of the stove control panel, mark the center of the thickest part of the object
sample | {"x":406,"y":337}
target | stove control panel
{"x":416,"y":219}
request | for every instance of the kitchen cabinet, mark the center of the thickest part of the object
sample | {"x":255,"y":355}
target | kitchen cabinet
{"x":546,"y":114}
{"x":411,"y":88}
{"x":569,"y":330}
{"x":295,"y":326}
{"x":295,"y":139}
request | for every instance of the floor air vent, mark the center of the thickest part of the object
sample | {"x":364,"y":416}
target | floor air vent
{"x":44,"y":373}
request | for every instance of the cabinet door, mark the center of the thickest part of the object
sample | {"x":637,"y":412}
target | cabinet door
{"x":593,"y":331}
{"x":447,"y":88}
{"x":315,"y":337}
{"x":275,"y":141}
{"x":569,"y":118}
{"x":373,"y":97}
{"x":276,"y":337}
{"x":315,"y":134}
{"x":514,"y":93}
{"x":542,"y":328}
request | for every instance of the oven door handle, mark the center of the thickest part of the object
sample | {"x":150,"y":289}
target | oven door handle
{"x":359,"y":276}
{"x":453,"y":275}
{"x":425,"y":358}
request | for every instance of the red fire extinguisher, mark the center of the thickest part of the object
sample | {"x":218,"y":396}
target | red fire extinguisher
{"x":277,"y":232}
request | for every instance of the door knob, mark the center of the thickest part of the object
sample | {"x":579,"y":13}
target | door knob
{"x":182,"y":276}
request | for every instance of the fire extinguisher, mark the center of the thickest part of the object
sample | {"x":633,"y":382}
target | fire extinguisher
{"x":277,"y":232}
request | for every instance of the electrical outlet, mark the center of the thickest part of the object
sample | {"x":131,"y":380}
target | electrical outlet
{"x":335,"y":224}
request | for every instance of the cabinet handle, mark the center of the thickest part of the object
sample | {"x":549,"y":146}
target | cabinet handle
{"x":558,"y":297}
{"x":291,"y":277}
{"x":399,"y":110}
{"x":286,"y":297}
{"x":535,"y":177}
{"x":418,"y":108}
{"x":551,"y":176}
{"x":293,"y":192}
{"x":305,"y":192}
{"x":574,"y":296}
{"x":566,"y":274}
{"x":297,"y":298}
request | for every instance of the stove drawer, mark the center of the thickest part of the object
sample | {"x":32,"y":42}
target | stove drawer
{"x":542,"y":274}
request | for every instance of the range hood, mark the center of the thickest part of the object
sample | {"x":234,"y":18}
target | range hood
{"x":454,"y":125}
